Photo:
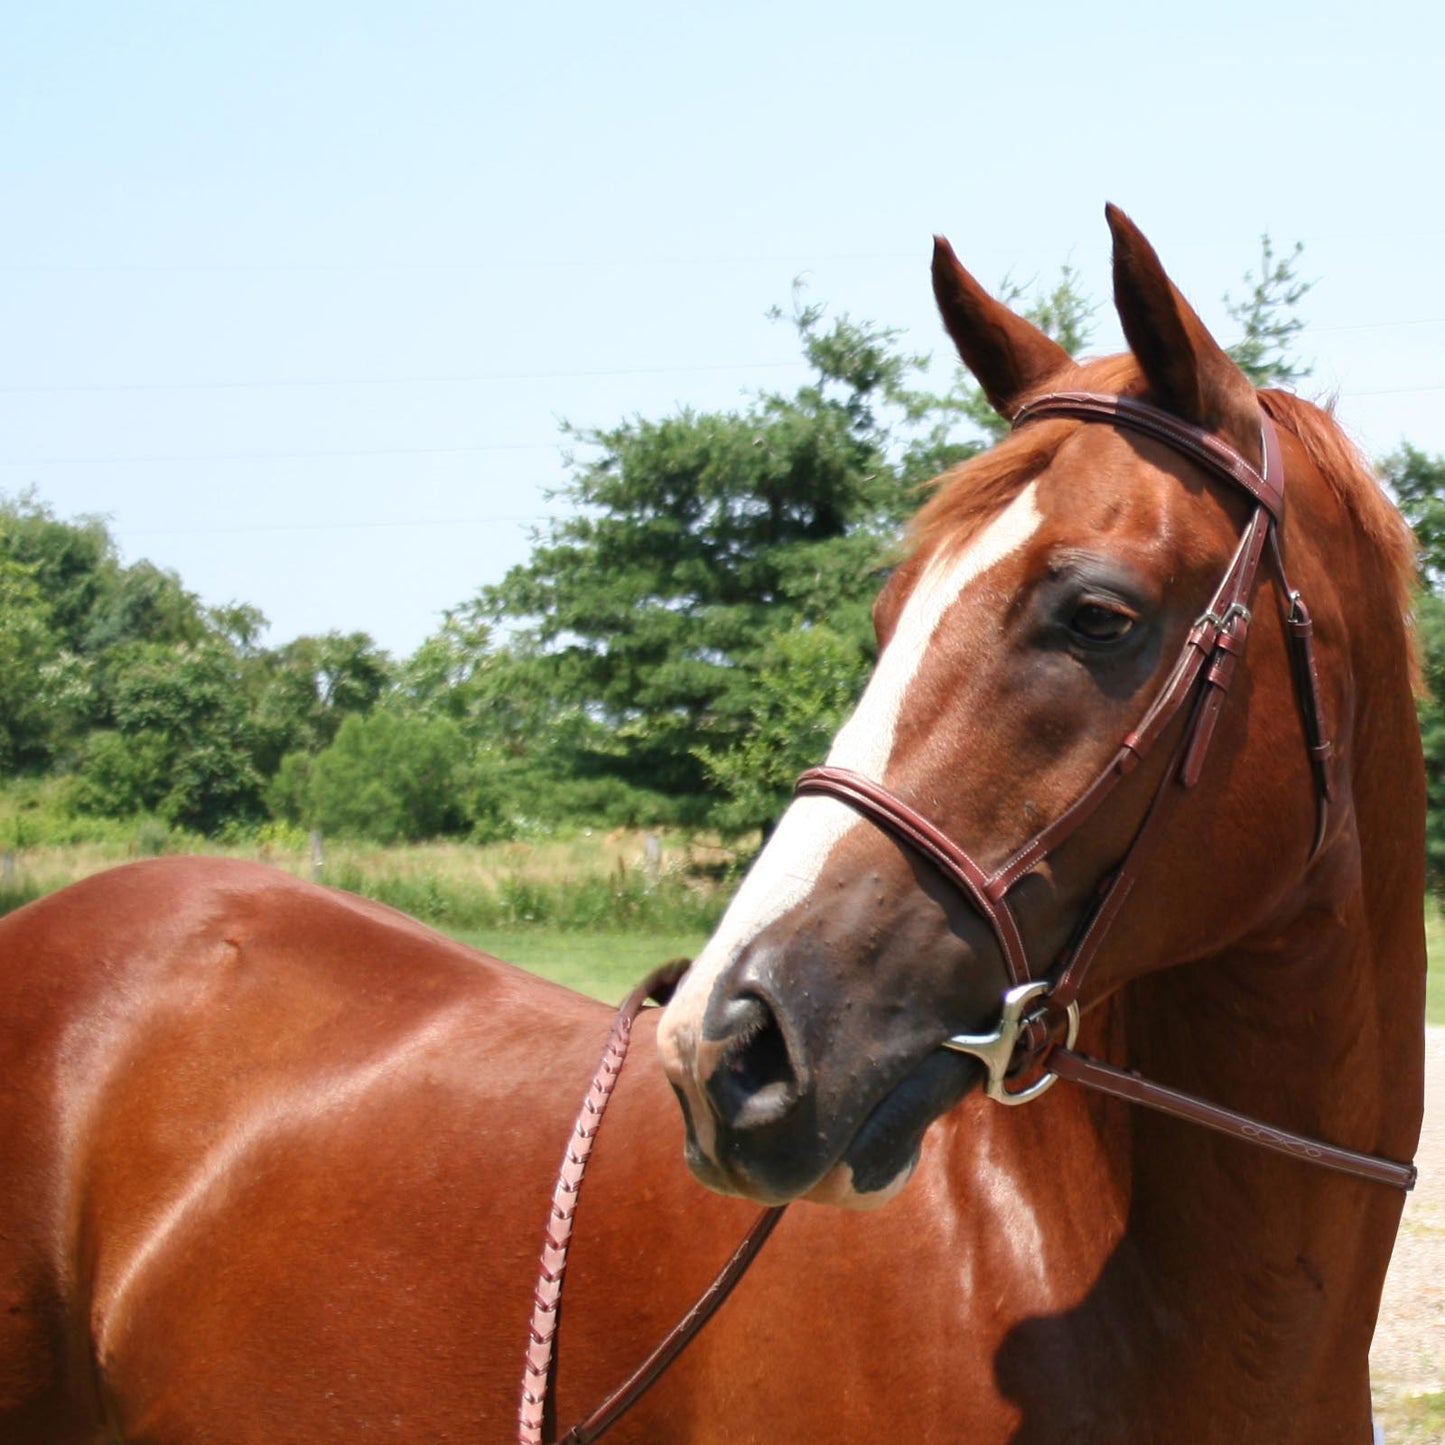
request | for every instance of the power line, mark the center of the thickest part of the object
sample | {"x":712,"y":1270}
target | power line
{"x":488,"y":377}
{"x":279,"y":456}
{"x":475,"y":449}
{"x":1370,"y":326}
{"x":556,"y":263}
{"x":335,"y":526}
{"x":319,"y":382}
{"x":1350,"y":394}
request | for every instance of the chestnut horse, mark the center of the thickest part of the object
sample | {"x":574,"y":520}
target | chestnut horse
{"x":276,"y":1160}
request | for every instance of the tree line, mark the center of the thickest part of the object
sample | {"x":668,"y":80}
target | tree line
{"x":684,"y":638}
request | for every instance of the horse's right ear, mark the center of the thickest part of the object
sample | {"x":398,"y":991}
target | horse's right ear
{"x":1009,"y":356}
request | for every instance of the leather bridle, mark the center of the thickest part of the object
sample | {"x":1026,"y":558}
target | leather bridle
{"x":1025,"y":1053}
{"x":1033,"y":1042}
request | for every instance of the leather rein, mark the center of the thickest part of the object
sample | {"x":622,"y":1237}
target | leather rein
{"x":538,"y":1375}
{"x":1032,"y":1045}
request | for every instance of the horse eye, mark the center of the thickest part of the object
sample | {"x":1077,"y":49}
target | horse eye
{"x":1101,"y":624}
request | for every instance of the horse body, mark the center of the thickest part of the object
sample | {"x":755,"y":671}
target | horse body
{"x":269,"y":1179}
{"x":277,"y":1161}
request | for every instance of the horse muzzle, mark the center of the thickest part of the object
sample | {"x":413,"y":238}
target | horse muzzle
{"x":780,"y":1104}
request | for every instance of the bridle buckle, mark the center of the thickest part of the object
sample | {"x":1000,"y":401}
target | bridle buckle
{"x":996,"y":1051}
{"x":1222,"y":622}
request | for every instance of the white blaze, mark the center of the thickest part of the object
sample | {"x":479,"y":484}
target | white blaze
{"x":796,"y":854}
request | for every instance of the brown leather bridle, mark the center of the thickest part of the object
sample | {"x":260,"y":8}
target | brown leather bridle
{"x":1024,"y":1055}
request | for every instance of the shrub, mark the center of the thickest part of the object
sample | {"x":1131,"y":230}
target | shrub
{"x":389,"y":777}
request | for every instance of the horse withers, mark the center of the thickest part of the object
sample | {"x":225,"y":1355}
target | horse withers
{"x":276,"y":1159}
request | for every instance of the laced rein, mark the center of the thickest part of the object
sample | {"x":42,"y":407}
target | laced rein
{"x":538,"y":1371}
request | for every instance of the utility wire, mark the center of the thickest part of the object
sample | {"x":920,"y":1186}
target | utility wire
{"x":279,"y":456}
{"x":286,"y":383}
{"x":387,"y":525}
{"x":476,"y":449}
{"x":488,"y":377}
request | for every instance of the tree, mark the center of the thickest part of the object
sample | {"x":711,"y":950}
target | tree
{"x":1270,"y":319}
{"x":693,"y":540}
{"x":181,"y":744}
{"x":678,"y":647}
{"x":524,"y":741}
{"x":73,"y":563}
{"x":27,"y":641}
{"x":800,"y":692}
{"x":1430,"y":622}
{"x":141,"y":603}
{"x":304,"y":690}
{"x":95,"y":609}
{"x":711,"y":561}
{"x":1417,"y":482}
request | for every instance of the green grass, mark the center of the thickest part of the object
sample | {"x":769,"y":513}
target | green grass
{"x":1435,"y":949}
{"x":605,"y":965}
{"x":577,"y":909}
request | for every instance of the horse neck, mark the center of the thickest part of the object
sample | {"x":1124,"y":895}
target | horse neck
{"x":1277,"y":1265}
{"x":1311,"y":1025}
{"x":1195,"y":1258}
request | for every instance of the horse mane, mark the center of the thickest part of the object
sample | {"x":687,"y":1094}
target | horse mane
{"x":1357,"y":486}
{"x":967,"y":495}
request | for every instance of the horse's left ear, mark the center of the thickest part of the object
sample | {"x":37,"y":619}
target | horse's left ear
{"x":1188,"y":372}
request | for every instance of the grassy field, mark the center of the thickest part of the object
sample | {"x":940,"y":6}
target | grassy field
{"x":1412,"y":1419}
{"x":605,"y":965}
{"x":589,"y":910}
{"x":591,"y":882}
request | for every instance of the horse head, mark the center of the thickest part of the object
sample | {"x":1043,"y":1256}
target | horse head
{"x":1049,"y":588}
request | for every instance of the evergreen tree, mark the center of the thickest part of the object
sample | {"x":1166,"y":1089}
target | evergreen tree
{"x":692,"y":541}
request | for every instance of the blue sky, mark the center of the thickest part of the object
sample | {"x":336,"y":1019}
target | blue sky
{"x":297,"y":294}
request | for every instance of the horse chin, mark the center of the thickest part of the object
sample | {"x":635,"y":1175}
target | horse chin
{"x":882,"y":1155}
{"x":879,"y":1159}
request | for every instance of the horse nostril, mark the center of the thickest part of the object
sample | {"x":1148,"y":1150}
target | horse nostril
{"x":752,"y":1082}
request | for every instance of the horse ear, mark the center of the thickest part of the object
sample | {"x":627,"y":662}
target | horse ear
{"x":1187,"y":370}
{"x":1009,"y":356}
